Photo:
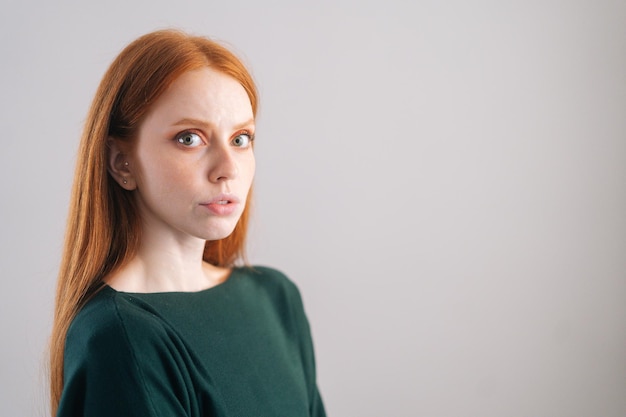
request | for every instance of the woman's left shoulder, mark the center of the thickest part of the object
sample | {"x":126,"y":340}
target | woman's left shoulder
{"x":271,"y":280}
{"x":268,"y":275}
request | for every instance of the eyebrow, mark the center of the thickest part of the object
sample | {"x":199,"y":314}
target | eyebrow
{"x":206,"y":124}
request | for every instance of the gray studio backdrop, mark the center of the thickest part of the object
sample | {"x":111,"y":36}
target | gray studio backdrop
{"x":445,"y":181}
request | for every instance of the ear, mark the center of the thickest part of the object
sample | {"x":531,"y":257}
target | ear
{"x":119,"y":165}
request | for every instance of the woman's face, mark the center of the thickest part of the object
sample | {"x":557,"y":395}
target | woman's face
{"x":193,"y":162}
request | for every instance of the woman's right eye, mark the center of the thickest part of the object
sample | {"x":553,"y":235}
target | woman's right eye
{"x":189,"y":139}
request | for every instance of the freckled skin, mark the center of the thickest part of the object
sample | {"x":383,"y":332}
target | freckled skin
{"x":176,"y":172}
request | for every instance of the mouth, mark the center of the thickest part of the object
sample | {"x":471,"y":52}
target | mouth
{"x":222,"y":205}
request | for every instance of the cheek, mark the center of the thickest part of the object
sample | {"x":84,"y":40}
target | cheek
{"x":158,"y":174}
{"x":250,"y":168}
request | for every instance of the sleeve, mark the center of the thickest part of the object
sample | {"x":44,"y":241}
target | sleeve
{"x":105,"y":375}
{"x":316,"y":405}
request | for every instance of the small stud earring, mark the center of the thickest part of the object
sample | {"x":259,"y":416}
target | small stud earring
{"x":125,"y":182}
{"x":126,"y":163}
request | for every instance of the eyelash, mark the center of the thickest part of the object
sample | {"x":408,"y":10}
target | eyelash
{"x":244,"y":133}
{"x":180,"y":136}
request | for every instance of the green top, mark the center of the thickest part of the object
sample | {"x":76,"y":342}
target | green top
{"x":240,"y":349}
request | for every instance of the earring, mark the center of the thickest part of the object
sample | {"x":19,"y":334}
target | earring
{"x":126,"y":163}
{"x":125,"y":182}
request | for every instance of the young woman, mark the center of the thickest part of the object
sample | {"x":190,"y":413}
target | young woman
{"x":152,"y":317}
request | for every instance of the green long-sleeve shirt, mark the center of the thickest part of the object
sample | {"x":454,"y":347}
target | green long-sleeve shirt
{"x":240,"y":349}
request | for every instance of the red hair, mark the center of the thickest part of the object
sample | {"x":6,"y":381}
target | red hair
{"x":103,"y":230}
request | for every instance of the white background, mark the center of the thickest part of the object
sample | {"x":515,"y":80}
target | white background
{"x":444,"y":180}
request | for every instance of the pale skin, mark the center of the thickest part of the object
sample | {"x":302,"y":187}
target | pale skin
{"x":190,"y":171}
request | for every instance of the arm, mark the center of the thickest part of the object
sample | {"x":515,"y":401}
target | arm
{"x":316,"y":405}
{"x":114,"y":367}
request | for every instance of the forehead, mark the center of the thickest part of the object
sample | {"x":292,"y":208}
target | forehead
{"x":204,"y":94}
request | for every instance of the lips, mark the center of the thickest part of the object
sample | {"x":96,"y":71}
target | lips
{"x":222,"y":205}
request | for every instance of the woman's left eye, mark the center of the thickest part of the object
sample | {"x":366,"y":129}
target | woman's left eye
{"x":242,"y":140}
{"x":189,"y":139}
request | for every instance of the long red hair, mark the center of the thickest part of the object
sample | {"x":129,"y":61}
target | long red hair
{"x":103,"y":230}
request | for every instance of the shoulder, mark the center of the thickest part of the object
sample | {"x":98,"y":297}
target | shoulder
{"x":107,"y":313}
{"x":97,"y":321}
{"x":117,"y":354}
{"x":110,"y":325}
{"x":271,"y":288}
{"x":271,"y":281}
{"x":269,"y":277}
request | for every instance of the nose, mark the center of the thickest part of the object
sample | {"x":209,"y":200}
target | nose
{"x":223,"y":164}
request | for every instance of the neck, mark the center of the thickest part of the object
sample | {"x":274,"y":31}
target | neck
{"x":165,"y":263}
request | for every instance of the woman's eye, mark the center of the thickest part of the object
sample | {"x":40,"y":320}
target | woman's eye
{"x":189,"y":139}
{"x":242,"y":140}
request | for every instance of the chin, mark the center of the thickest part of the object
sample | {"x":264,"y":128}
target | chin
{"x":219,"y":233}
